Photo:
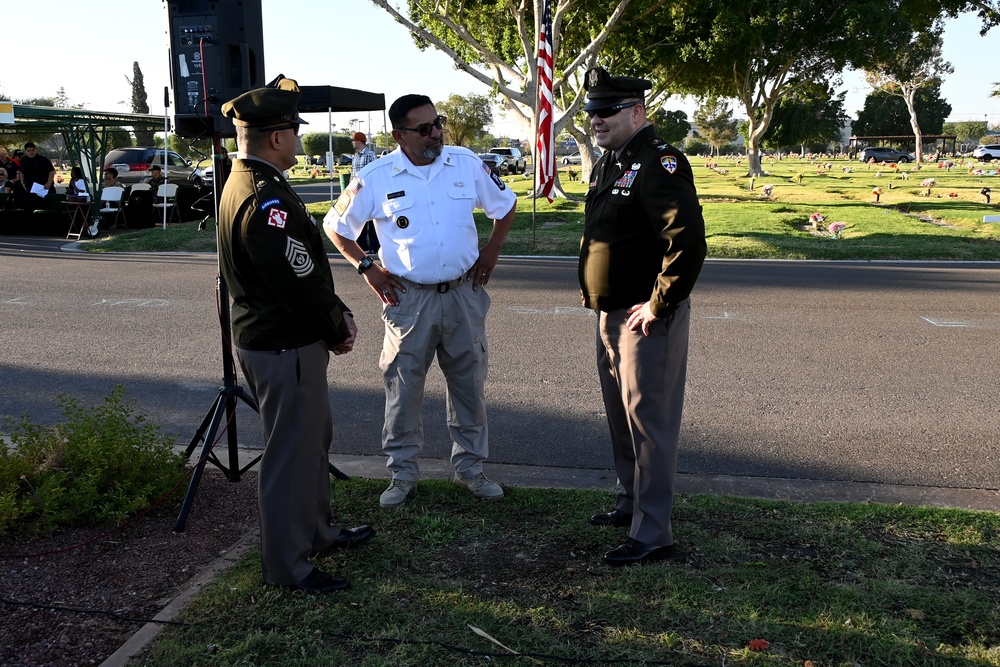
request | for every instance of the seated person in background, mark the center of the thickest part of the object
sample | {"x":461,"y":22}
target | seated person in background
{"x":111,"y":178}
{"x":7,"y":162}
{"x":36,"y":170}
{"x":77,"y":185}
{"x":155,"y":179}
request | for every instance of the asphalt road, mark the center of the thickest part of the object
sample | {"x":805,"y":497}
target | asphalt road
{"x":876,"y":372}
{"x":310,"y":193}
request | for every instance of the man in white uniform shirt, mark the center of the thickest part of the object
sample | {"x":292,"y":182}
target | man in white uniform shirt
{"x":432,"y":285}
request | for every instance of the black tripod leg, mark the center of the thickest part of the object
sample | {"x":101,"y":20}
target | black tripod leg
{"x":338,"y":473}
{"x":214,"y":416}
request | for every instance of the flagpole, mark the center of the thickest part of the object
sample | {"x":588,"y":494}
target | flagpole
{"x":543,"y":162}
{"x":534,"y":166}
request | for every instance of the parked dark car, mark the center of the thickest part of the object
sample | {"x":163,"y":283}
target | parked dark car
{"x":885,"y":154}
{"x":133,"y":165}
{"x":498,"y":164}
{"x":516,"y":161}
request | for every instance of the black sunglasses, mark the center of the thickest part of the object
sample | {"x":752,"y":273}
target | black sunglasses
{"x":424,"y":129}
{"x":608,"y":112}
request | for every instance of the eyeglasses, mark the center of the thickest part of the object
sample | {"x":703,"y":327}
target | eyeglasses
{"x":424,"y":129}
{"x":608,"y":112}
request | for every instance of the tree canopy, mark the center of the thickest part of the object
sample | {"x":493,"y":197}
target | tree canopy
{"x":759,"y":51}
{"x":812,"y":114}
{"x":885,"y":114}
{"x":467,"y":115}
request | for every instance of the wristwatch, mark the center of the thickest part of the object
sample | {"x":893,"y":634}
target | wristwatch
{"x":365,"y":264}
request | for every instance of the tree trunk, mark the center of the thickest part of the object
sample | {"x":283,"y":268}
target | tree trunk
{"x":911,"y":106}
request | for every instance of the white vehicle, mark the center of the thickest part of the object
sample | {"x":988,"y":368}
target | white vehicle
{"x":985,"y":153}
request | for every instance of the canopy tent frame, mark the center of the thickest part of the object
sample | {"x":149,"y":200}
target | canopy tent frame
{"x":317,"y":99}
{"x":85,"y":133}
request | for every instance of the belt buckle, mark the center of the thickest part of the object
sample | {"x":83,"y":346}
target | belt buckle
{"x":443,"y":287}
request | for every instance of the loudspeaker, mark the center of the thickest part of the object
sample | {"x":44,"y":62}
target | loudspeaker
{"x":216,"y":53}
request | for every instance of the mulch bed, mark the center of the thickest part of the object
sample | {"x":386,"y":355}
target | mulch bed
{"x":79,"y":606}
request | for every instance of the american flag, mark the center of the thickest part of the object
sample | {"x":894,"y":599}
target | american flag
{"x":545,"y":150}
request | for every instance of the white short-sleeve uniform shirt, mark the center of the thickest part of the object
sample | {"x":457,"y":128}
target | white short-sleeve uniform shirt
{"x":423,"y":215}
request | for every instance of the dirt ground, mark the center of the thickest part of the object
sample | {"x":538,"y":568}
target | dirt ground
{"x":74,"y":597}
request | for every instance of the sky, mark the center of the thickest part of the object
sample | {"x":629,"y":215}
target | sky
{"x":352,"y":44}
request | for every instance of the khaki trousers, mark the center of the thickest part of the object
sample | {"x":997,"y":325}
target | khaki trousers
{"x":451,"y":325}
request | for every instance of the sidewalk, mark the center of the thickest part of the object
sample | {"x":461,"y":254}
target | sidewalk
{"x":772,"y":488}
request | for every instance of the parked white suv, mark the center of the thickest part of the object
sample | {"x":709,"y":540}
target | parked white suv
{"x":515,"y":159}
{"x":987,"y":152}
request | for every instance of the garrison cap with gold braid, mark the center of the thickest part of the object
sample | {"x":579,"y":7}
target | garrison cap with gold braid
{"x":274,"y":106}
{"x":603,"y":90}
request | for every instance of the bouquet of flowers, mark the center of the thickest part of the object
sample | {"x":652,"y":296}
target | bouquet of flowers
{"x":928,"y":183}
{"x":836,"y":228}
{"x":817,"y":219}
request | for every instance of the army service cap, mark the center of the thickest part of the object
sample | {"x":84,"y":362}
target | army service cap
{"x":270,"y":107}
{"x":603,"y":90}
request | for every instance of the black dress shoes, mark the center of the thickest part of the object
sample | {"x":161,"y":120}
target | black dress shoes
{"x":319,"y":581}
{"x":616,"y":518}
{"x":350,"y":538}
{"x":634,"y":552}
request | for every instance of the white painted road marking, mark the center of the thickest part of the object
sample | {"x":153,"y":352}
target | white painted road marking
{"x":138,"y":303}
{"x":558,"y":310}
{"x":945,"y":324}
{"x":19,"y":300}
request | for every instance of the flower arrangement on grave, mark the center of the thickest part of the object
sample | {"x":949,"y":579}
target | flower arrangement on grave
{"x":837,"y":228}
{"x":877,"y":191}
{"x":817,"y":220}
{"x":927,"y":184}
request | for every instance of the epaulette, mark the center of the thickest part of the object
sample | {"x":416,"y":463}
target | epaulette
{"x":659,"y":144}
{"x":261,"y":180}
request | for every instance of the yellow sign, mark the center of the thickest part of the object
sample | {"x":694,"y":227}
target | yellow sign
{"x":6,"y":113}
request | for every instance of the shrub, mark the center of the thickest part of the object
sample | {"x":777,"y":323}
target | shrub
{"x":100,"y":466}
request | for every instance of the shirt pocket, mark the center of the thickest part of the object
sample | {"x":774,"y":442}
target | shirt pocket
{"x":462,"y":193}
{"x":399,"y":206}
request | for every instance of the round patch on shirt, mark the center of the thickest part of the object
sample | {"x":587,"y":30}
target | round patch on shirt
{"x":402,"y":222}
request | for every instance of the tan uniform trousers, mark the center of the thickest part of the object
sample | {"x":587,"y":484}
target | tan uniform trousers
{"x":294,"y":474}
{"x":642,"y":380}
{"x":451,"y":323}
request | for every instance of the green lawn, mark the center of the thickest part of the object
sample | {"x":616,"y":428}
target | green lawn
{"x":905,"y":224}
{"x":835,"y":584}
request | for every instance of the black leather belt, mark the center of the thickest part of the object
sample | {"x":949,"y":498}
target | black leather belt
{"x":440,"y":288}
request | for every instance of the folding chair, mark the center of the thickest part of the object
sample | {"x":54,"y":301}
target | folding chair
{"x":111,"y":202}
{"x":135,"y":187}
{"x":166,"y":198}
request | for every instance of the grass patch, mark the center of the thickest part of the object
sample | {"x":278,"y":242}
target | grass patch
{"x":837,"y":584}
{"x":906,"y":222}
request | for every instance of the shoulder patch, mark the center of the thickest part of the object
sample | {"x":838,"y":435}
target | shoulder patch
{"x":298,"y":257}
{"x":669,"y":163}
{"x":269,"y":203}
{"x":277,"y":218}
{"x":496,"y":179}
